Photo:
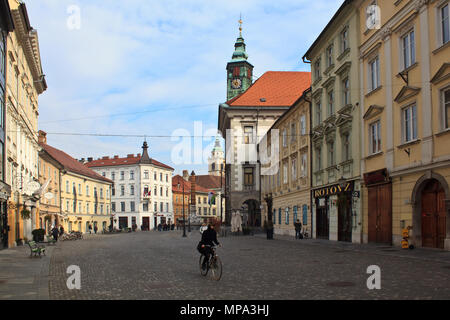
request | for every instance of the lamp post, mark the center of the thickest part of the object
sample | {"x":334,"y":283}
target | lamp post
{"x":184,"y":218}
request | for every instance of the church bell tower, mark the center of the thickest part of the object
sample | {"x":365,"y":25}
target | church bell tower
{"x":239,"y":70}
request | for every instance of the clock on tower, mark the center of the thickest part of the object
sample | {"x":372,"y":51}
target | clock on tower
{"x":239,"y":70}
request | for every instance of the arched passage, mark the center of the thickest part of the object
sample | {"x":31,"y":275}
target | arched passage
{"x":252,"y":213}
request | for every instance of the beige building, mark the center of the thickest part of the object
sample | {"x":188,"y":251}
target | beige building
{"x":85,"y":195}
{"x":405,"y":111}
{"x":25,"y":81}
{"x":286,"y":189}
{"x":336,"y":132}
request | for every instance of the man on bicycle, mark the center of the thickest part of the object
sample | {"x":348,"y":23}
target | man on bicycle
{"x":209,"y":238}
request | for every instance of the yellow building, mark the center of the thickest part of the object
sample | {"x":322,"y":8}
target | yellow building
{"x":286,"y":176}
{"x":25,"y":81}
{"x":405,"y":104}
{"x":85,"y":196}
{"x":50,"y":201}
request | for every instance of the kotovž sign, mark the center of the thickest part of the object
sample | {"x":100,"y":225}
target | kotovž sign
{"x":332,"y":190}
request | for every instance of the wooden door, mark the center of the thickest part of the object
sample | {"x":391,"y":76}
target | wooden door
{"x":433,"y":215}
{"x":380,"y":214}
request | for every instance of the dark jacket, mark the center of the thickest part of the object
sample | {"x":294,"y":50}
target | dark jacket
{"x":298,"y":226}
{"x":209,"y":237}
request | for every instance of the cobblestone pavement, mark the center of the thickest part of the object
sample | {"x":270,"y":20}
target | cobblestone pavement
{"x":23,"y":277}
{"x":154,"y":265}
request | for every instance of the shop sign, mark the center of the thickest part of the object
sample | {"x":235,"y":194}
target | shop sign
{"x":333,"y":190}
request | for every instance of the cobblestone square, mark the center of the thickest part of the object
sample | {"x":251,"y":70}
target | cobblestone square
{"x":164,"y":266}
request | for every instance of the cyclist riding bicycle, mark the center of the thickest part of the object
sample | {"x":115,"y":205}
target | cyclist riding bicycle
{"x":209,"y":238}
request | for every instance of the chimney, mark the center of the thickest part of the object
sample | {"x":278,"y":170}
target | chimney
{"x":42,"y":137}
{"x":116,"y":157}
{"x":105,"y":158}
{"x":90,"y":159}
{"x":192,"y":181}
{"x":130,"y":156}
{"x":186,"y":175}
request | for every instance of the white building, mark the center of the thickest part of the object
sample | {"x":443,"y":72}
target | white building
{"x":142,"y":191}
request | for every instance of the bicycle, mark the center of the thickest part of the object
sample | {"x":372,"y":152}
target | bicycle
{"x":214,"y":264}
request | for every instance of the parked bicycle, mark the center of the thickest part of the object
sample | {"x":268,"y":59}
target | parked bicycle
{"x":214,"y":264}
{"x":74,"y":235}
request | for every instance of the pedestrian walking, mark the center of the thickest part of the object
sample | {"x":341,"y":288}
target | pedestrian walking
{"x":159,"y":227}
{"x":55,"y":233}
{"x":298,"y":230}
{"x":90,"y":229}
{"x":61,"y":230}
{"x":95,"y":229}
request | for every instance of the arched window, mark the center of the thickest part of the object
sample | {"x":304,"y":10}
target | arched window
{"x":213,"y":167}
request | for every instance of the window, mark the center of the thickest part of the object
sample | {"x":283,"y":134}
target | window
{"x":303,"y":125}
{"x":87,"y":207}
{"x":167,"y":178}
{"x":285,"y":173}
{"x":146,"y":175}
{"x":287,"y":216}
{"x":346,"y":92}
{"x":113,"y":176}
{"x":161,"y":207}
{"x":304,"y":165}
{"x":293,"y":132}
{"x":445,"y":25}
{"x":87,"y":190}
{"x":131,"y":175}
{"x":330,"y":56}
{"x":248,"y":176}
{"x":248,"y":135}
{"x":67,"y":186}
{"x":409,"y":51}
{"x":374,"y":73}
{"x":145,"y":207}
{"x":167,"y":192}
{"x":284,"y":138}
{"x":132,"y":206}
{"x":122,"y":206}
{"x":122,"y":190}
{"x":294,"y":169}
{"x":318,"y":112}
{"x":154,"y":176}
{"x":156,"y":191}
{"x":113,"y":191}
{"x":330,"y":103}
{"x":279,"y":216}
{"x":375,"y":137}
{"x":346,"y":147}
{"x":344,"y":40}
{"x":161,"y":177}
{"x":161,"y":191}
{"x":113,"y":206}
{"x":101,"y":209}
{"x":317,"y":70}
{"x":156,"y":207}
{"x":132,"y":190}
{"x":305,"y":214}
{"x":446,"y":102}
{"x":104,"y":174}
{"x":101,"y":193}
{"x":319,"y":158}
{"x":167,"y":207}
{"x":331,"y":154}
{"x":409,"y":123}
{"x":67,"y":206}
{"x":295,"y":214}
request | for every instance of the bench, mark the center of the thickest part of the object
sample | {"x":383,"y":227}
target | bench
{"x":50,"y":240}
{"x":36,"y":249}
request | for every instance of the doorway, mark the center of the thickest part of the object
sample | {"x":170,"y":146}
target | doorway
{"x":380,"y":213}
{"x":433,"y":215}
{"x":322,"y":219}
{"x":345,"y":217}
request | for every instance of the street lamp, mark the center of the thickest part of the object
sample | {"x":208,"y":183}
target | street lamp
{"x":184,"y":218}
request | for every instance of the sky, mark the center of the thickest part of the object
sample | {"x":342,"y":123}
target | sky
{"x":157,"y":68}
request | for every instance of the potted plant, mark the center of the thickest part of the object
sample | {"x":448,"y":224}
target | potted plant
{"x":26,"y":214}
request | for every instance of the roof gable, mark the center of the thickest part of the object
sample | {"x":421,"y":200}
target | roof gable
{"x":276,"y":88}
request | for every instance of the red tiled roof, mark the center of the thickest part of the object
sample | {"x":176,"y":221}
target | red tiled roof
{"x":209,"y":181}
{"x":123,"y":161}
{"x":187,"y":186}
{"x":278,"y":88}
{"x":71,"y":164}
